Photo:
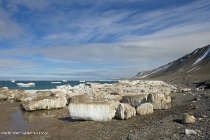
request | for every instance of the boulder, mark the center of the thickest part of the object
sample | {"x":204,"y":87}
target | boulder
{"x":160,"y":100}
{"x":144,"y":109}
{"x":47,"y":103}
{"x":134,"y":100}
{"x":183,"y":90}
{"x":96,"y":111}
{"x":188,"y":118}
{"x":125,"y":111}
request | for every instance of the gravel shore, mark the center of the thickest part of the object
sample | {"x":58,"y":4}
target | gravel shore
{"x":163,"y":124}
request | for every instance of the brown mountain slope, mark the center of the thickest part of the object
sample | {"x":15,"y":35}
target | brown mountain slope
{"x":193,"y":67}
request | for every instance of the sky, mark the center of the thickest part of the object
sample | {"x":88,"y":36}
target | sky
{"x":97,"y":39}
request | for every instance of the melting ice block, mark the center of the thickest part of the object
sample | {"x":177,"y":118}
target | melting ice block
{"x":96,"y":111}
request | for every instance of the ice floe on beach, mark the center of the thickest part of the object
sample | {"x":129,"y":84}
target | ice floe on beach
{"x":98,"y":102}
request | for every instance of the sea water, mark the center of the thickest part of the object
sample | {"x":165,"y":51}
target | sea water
{"x":41,"y":85}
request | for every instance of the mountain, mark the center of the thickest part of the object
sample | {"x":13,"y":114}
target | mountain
{"x":193,"y":67}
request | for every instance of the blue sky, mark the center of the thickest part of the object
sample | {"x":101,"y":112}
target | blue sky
{"x":97,"y":39}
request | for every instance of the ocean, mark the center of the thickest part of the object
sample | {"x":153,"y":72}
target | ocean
{"x":41,"y":85}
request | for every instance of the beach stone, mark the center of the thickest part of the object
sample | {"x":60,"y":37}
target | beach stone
{"x":144,"y":109}
{"x":47,"y":103}
{"x":183,"y":90}
{"x":160,"y":100}
{"x":95,"y":111}
{"x":204,"y":116}
{"x":134,"y":100}
{"x":190,"y":132}
{"x":125,"y":111}
{"x":189,"y":119}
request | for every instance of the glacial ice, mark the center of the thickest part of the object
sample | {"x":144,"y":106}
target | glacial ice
{"x":26,"y":84}
{"x":95,"y":111}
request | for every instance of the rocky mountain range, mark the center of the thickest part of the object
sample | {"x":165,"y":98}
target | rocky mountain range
{"x":191,"y":68}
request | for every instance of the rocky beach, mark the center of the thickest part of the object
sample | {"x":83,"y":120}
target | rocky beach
{"x":135,"y":109}
{"x":104,"y":70}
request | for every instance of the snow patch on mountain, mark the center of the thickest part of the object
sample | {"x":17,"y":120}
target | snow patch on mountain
{"x":193,"y":69}
{"x":157,"y":70}
{"x":202,"y":57}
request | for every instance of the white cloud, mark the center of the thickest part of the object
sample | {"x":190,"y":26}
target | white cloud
{"x":138,"y":40}
{"x":131,"y":56}
{"x":167,"y":44}
{"x":93,"y":25}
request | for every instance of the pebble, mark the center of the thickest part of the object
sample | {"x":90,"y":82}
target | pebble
{"x":204,"y":116}
{"x":189,"y":119}
{"x":190,"y":132}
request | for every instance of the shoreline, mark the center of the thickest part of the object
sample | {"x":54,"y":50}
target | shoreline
{"x":58,"y":124}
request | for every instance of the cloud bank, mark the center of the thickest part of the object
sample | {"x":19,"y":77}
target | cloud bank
{"x":97,"y":40}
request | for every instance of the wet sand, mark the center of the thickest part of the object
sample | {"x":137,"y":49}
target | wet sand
{"x":163,"y":124}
